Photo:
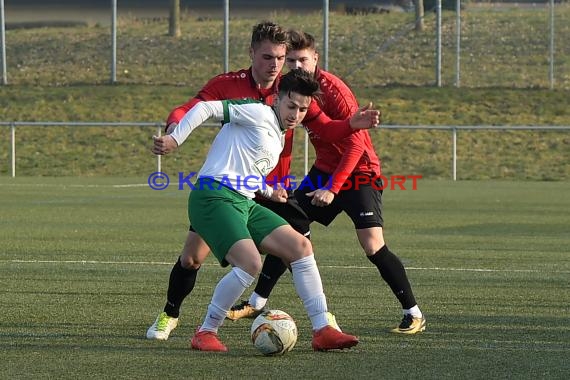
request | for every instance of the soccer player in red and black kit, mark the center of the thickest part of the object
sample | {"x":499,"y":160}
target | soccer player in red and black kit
{"x":268,"y":48}
{"x":350,"y":169}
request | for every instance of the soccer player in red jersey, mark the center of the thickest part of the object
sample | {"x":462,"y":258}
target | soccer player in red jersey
{"x":350,"y":169}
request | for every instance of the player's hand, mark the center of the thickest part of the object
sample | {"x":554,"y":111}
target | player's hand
{"x":279,"y":195}
{"x":171,"y":127}
{"x":163,"y":144}
{"x":365,"y":118}
{"x":321,"y":197}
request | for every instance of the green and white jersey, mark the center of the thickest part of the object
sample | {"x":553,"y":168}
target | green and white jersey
{"x":247,"y":147}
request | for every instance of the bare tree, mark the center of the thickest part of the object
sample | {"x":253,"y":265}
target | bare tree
{"x":419,"y":5}
{"x":174,"y":19}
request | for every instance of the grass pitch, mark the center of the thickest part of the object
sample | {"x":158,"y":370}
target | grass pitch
{"x":84,"y":267}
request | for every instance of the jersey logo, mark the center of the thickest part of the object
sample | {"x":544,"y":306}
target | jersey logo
{"x":263,"y":166}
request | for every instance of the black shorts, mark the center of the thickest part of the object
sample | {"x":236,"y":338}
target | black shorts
{"x":290,"y":211}
{"x":362,"y":202}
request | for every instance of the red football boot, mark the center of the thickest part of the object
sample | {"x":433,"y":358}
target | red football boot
{"x":328,"y":338}
{"x":207,"y":341}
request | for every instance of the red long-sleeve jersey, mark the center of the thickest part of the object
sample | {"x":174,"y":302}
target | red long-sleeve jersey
{"x":352,"y":155}
{"x":239,"y":85}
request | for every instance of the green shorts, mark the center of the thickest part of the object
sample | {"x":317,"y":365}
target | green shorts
{"x":222,"y":217}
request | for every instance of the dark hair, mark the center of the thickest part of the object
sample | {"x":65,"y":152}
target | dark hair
{"x":269,"y":31}
{"x":300,"y":40}
{"x":299,"y":81}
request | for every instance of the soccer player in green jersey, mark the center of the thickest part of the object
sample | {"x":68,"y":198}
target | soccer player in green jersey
{"x":248,"y":146}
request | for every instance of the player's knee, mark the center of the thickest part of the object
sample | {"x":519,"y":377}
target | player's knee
{"x":252,"y":267}
{"x":256,"y":268}
{"x":194,"y":252}
{"x":371,"y":240}
{"x":189,"y":262}
{"x":303,"y":247}
{"x":370,"y":250}
{"x":193,"y":256}
{"x":371,"y":246}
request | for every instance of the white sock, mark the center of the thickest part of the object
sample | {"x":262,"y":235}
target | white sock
{"x":258,"y":302}
{"x":414,"y":311}
{"x":309,"y":287}
{"x":227,"y":292}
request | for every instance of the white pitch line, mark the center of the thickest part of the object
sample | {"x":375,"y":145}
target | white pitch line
{"x":436,"y":269}
{"x":170,"y":185}
{"x":132,"y":185}
{"x":87,"y":262}
{"x":127,"y":185}
{"x":69,"y":185}
{"x":75,"y":185}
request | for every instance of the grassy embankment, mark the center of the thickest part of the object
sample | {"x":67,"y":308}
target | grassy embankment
{"x":62,"y":74}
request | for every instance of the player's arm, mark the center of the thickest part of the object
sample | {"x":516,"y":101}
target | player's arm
{"x":211,"y":91}
{"x":336,"y":130}
{"x":178,"y":113}
{"x":342,"y":104}
{"x":353,"y":151}
{"x":197,"y":115}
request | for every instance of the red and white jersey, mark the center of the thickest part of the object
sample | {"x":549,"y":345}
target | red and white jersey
{"x":240,"y":85}
{"x":352,"y":155}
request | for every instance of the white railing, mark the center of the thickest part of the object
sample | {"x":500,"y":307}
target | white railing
{"x":456,"y":128}
{"x":13,"y":124}
{"x":159,"y":127}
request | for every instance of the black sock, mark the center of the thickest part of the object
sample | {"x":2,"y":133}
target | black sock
{"x":393,"y":272}
{"x":180,"y":285}
{"x":272,"y":269}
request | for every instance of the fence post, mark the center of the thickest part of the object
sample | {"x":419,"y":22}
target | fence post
{"x":113,"y":41}
{"x":3,"y":42}
{"x":226,"y":36}
{"x":458,"y":44}
{"x":158,"y":156}
{"x":551,"y":66}
{"x":13,"y":144}
{"x":454,"y":144}
{"x":325,"y":34}
{"x":438,"y":45}
{"x":306,"y":152}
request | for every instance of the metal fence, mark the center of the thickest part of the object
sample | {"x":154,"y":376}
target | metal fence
{"x":453,"y":130}
{"x":453,"y":50}
{"x":530,"y":43}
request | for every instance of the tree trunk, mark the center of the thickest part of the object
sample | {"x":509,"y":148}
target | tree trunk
{"x":419,"y":4}
{"x":174,"y":19}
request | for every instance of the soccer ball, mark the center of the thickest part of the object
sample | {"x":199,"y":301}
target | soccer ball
{"x":274,"y":332}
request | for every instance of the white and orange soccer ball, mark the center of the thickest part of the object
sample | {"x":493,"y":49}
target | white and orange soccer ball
{"x":274,"y":332}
